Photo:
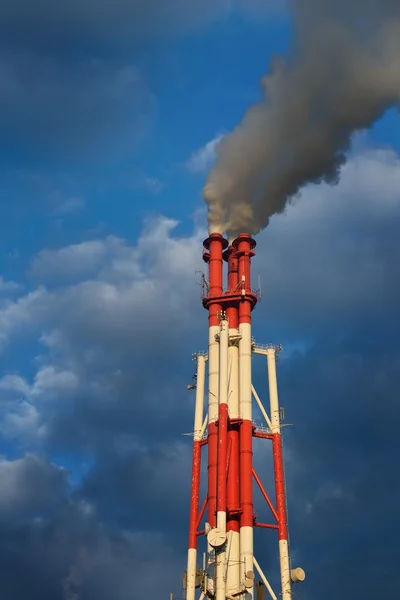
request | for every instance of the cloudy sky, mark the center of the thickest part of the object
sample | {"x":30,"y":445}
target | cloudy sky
{"x":109,"y":117}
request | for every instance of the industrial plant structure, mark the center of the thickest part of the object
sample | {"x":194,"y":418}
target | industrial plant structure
{"x":224,"y":431}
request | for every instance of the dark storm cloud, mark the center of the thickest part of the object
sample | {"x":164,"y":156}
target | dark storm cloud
{"x":56,"y":108}
{"x":53,"y":546}
{"x":54,"y":23}
{"x":69,"y":83}
{"x":344,"y":487}
{"x":162,"y":470}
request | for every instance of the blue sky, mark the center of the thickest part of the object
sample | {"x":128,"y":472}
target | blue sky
{"x":108,"y":122}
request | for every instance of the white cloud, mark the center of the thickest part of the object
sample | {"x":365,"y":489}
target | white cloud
{"x":76,"y":260}
{"x":203,"y":158}
{"x":22,"y":313}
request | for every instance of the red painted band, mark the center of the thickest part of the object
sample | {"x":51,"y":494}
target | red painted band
{"x":195,"y":491}
{"x":246,"y":474}
{"x":279,"y":485}
{"x":222,"y":456}
{"x":233,"y":505}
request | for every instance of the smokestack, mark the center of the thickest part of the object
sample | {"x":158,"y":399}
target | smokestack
{"x":224,"y":428}
{"x":340,"y":75}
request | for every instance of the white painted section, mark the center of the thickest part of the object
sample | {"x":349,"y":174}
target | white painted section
{"x":213,"y":374}
{"x":221,"y":521}
{"x":246,"y":557}
{"x":273,"y":390}
{"x":191,"y":574}
{"x":223,"y":362}
{"x":285,"y":570}
{"x":200,"y":385}
{"x":245,"y":405}
{"x":220,"y":578}
{"x":220,"y":592}
{"x":264,"y":580}
{"x":213,"y":389}
{"x":233,"y":551}
{"x":261,"y":407}
{"x":245,"y":398}
{"x":233,"y":386}
{"x":233,"y":563}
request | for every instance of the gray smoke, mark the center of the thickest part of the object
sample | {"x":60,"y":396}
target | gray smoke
{"x":341,"y":74}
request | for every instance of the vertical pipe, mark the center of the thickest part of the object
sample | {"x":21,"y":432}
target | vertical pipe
{"x":244,"y":245}
{"x":233,"y":503}
{"x":279,"y":477}
{"x":195,"y":489}
{"x":222,"y":457}
{"x":215,"y":245}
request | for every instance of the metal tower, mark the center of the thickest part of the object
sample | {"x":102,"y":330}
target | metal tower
{"x":226,"y":429}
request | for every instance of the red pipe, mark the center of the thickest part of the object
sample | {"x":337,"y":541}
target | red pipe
{"x":266,"y":497}
{"x":246,"y":475}
{"x":262,"y":435}
{"x":214,"y":245}
{"x":202,"y":511}
{"x":222,"y":456}
{"x":266,"y":526}
{"x":244,"y":245}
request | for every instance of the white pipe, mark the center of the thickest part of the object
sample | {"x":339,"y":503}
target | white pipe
{"x":233,"y":396}
{"x":197,"y":435}
{"x":213,"y":390}
{"x":228,"y":554}
{"x":220,"y":585}
{"x":273,"y":391}
{"x":199,"y":410}
{"x":233,"y":557}
{"x":245,"y":404}
{"x":261,"y":407}
{"x":285,"y":570}
{"x":213,"y":374}
{"x":245,"y":400}
{"x":264,"y":579}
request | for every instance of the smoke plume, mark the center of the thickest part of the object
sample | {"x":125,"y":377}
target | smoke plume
{"x":342,"y":72}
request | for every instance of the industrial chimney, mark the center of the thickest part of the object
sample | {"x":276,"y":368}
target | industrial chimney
{"x":224,"y":430}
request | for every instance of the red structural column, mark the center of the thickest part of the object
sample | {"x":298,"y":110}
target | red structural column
{"x":279,"y":486}
{"x":195,"y":493}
